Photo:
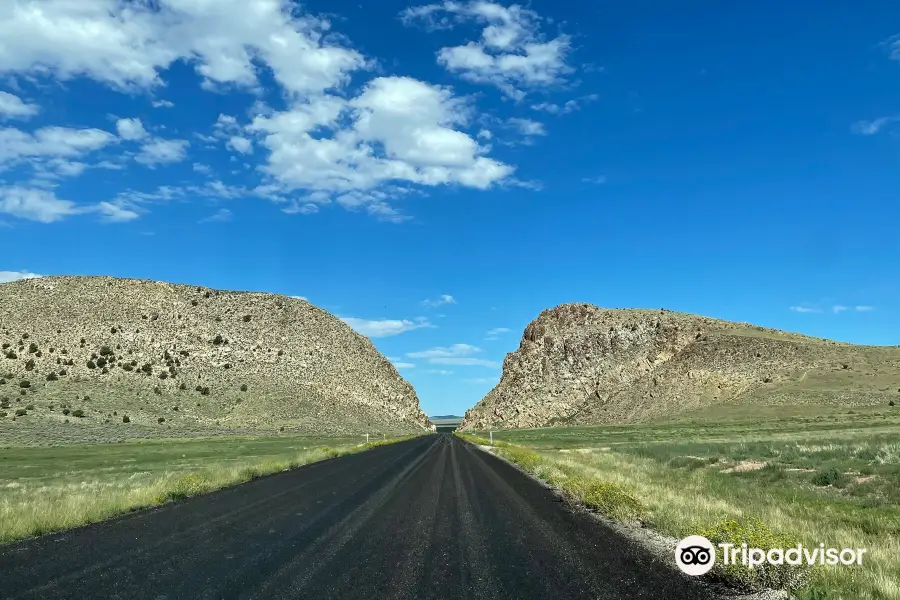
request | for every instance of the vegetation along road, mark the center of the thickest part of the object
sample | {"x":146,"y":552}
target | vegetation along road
{"x":431,"y":517}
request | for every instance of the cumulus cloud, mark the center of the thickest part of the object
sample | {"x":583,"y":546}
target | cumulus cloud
{"x":126,"y":44}
{"x":403,"y":365}
{"x":17,"y":145}
{"x":35,"y":204}
{"x":439,"y":372}
{"x":441,"y":300}
{"x":359,"y":148}
{"x":13,"y":107}
{"x":161,"y":151}
{"x":385,"y":327}
{"x":511,"y":53}
{"x":400,"y":131}
{"x":240,"y":144}
{"x":7,"y":276}
{"x":131,"y":129}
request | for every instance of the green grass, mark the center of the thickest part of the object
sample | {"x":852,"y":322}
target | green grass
{"x":50,"y":489}
{"x":827,"y":477}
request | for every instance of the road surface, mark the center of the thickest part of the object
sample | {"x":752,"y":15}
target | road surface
{"x":430,"y":518}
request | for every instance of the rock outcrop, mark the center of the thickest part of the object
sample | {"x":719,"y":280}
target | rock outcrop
{"x":580,"y":364}
{"x":199,"y":359}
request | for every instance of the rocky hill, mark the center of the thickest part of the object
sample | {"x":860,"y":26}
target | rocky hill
{"x":580,"y":364}
{"x":131,"y":358}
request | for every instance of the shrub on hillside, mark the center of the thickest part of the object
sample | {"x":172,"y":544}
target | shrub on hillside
{"x":12,"y":355}
{"x":29,"y":364}
{"x":32,"y":348}
{"x":161,"y":420}
{"x":243,"y":387}
{"x":29,"y":407}
{"x":21,"y":412}
{"x":100,"y":362}
{"x":756,"y":534}
{"x":52,"y":377}
{"x":91,"y":365}
{"x":125,"y":419}
{"x":66,"y":411}
{"x":78,"y":413}
{"x":829,"y":476}
{"x":24,"y":384}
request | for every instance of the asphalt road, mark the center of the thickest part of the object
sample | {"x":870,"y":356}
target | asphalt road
{"x":432,"y":517}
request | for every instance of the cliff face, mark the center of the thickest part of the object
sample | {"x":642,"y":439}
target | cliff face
{"x":580,"y":364}
{"x":226,"y":360}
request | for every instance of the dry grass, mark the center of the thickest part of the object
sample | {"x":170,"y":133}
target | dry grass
{"x":829,"y":479}
{"x":50,"y":500}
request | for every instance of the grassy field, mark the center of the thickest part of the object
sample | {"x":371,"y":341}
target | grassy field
{"x":816,"y":476}
{"x":45,"y":489}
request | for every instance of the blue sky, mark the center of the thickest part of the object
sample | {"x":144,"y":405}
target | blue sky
{"x":437,"y":174}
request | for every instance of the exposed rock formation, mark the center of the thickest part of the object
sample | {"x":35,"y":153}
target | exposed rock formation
{"x":579,"y":364}
{"x":227,"y":360}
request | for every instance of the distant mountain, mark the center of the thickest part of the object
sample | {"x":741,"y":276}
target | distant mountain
{"x":580,"y":364}
{"x":445,"y":417}
{"x":80,"y":355}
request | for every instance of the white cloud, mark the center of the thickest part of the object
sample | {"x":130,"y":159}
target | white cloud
{"x":511,"y":54}
{"x":465,"y":362}
{"x":385,"y":327}
{"x":117,"y":211}
{"x":35,"y":204}
{"x":480,"y":380}
{"x":496,"y":332}
{"x":397,"y":131}
{"x":221,"y":215}
{"x":201,"y":168}
{"x":300,"y":298}
{"x":528,"y":127}
{"x":13,"y":107}
{"x":66,"y":142}
{"x":874,"y":126}
{"x":457,"y":354}
{"x":404,"y":365}
{"x":565,"y":108}
{"x":7,"y":276}
{"x":805,"y":309}
{"x":439,"y":372}
{"x":131,"y":129}
{"x":126,"y":44}
{"x":240,"y":144}
{"x":598,"y":180}
{"x":442,"y":299}
{"x":834,"y":308}
{"x":160,"y":151}
{"x":446,"y":351}
{"x":360,"y":149}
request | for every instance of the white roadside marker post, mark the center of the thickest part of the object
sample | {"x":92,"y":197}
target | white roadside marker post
{"x":367,"y":438}
{"x":492,"y":437}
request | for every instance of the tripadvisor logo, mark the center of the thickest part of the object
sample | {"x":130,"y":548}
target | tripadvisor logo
{"x":696,"y":555}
